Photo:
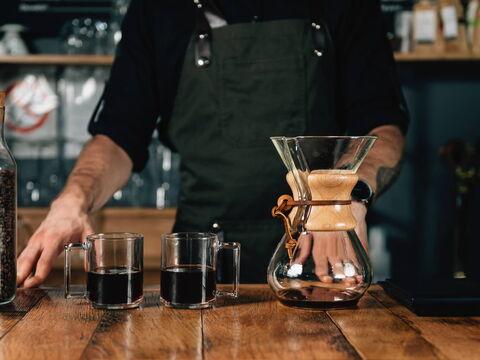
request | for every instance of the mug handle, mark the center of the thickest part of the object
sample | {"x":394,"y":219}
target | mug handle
{"x":235,"y":247}
{"x":68,"y":270}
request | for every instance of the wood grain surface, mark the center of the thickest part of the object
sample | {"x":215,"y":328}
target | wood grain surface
{"x":454,"y":337}
{"x":258,"y":327}
{"x":41,"y":324}
{"x":374,"y":331}
{"x":55,"y":328}
{"x":149,"y":333}
{"x":12,"y":313}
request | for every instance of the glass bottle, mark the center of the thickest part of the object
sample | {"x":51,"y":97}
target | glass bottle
{"x":8,"y":215}
{"x":320,"y":262}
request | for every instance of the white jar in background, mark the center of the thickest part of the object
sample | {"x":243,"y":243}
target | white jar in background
{"x":12,"y":40}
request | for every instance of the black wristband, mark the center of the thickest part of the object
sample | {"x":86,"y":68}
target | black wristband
{"x":362,"y":192}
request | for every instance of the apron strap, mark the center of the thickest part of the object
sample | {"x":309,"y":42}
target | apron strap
{"x":320,"y":32}
{"x":213,"y":8}
{"x":203,"y":31}
{"x":203,"y":35}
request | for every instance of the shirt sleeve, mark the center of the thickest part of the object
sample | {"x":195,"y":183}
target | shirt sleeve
{"x":128,"y":110}
{"x":369,"y":92}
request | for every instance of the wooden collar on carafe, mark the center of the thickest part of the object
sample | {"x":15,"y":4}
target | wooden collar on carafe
{"x":330,"y":207}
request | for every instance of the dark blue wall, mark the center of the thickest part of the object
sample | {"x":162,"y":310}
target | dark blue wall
{"x":444,"y":100}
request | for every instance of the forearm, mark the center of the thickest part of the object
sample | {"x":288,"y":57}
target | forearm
{"x":383,"y":163}
{"x":102,"y":168}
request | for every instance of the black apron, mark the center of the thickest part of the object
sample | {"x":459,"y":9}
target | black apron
{"x":240,"y":85}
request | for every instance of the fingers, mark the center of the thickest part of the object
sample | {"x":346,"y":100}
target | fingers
{"x":320,"y":251}
{"x":344,"y":268}
{"x":88,"y":230}
{"x":59,"y":228}
{"x":304,"y":248}
{"x":334,"y":261}
{"x":44,"y":265}
{"x":333,"y":257}
{"x":301,"y":254}
{"x":337,"y":268}
{"x":26,"y":262}
{"x":351,"y":265}
{"x":322,"y":269}
{"x":40,"y":254}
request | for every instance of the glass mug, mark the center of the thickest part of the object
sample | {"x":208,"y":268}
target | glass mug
{"x":188,"y":270}
{"x":114,"y":266}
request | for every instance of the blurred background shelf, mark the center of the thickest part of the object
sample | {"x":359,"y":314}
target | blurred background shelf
{"x":416,"y":57}
{"x":106,"y":60}
{"x":152,"y":223}
{"x":96,"y":60}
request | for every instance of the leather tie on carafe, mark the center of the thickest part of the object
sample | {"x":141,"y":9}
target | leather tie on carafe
{"x":330,"y":207}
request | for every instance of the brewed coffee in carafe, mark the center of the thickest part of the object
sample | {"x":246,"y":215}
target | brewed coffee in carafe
{"x":320,"y":262}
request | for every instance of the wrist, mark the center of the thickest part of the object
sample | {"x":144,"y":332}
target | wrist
{"x":359,"y":205}
{"x":71,"y":201}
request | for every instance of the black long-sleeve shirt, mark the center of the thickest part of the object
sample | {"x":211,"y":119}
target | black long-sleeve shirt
{"x":146,"y":71}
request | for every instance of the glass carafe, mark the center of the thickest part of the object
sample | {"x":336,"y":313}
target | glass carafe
{"x":8,"y":216}
{"x":320,"y":261}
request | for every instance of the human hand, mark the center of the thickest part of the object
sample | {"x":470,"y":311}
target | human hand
{"x":333,"y":256}
{"x":64,"y":224}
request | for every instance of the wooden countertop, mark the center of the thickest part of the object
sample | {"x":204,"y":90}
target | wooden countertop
{"x":41,"y":324}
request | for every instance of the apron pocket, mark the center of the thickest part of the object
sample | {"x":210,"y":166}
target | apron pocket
{"x":263,"y":98}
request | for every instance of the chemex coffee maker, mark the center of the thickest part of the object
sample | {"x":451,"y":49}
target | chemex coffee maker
{"x":320,"y":262}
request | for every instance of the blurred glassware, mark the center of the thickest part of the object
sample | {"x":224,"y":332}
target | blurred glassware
{"x":32,"y":130}
{"x":121,"y":198}
{"x":3,"y":49}
{"x":12,"y":40}
{"x":119,"y":9}
{"x":80,"y":89}
{"x":28,"y":178}
{"x":167,"y":185}
{"x":166,"y":167}
{"x":94,"y":36}
{"x":78,"y":36}
{"x":174,"y":184}
{"x":30,"y":100}
{"x":32,"y":192}
{"x":104,"y":38}
{"x":51,"y":176}
{"x":139,"y":189}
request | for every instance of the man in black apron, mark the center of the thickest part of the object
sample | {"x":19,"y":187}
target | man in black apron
{"x":224,"y":76}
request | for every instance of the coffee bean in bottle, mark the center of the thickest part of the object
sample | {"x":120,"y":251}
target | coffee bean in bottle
{"x":8,"y":216}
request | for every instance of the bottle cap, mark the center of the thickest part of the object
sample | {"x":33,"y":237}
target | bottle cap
{"x":2,"y":99}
